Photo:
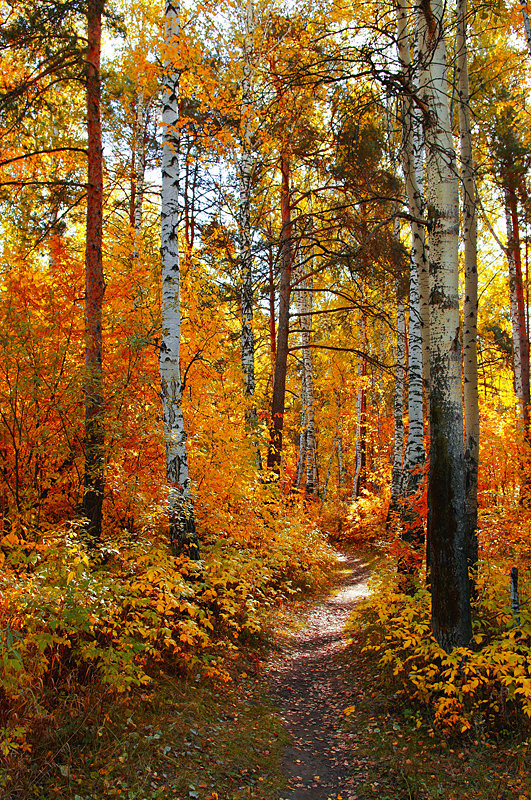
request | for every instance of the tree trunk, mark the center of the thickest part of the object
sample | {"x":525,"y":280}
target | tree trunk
{"x":414,"y":458}
{"x":470,"y":315}
{"x":360,"y":474}
{"x":398,"y":437}
{"x":517,"y":361}
{"x":140,"y":167}
{"x":94,"y":479}
{"x":274,"y":455}
{"x":517,"y":287}
{"x":527,"y":23}
{"x":244,"y":213}
{"x":307,"y":454}
{"x":181,"y":516}
{"x":451,"y":616}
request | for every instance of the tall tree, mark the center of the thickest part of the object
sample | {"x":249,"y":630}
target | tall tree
{"x":244,"y":223}
{"x":470,"y":311}
{"x":94,"y":283}
{"x":181,"y":512}
{"x":274,"y":454}
{"x":451,"y":615}
{"x":414,"y":458}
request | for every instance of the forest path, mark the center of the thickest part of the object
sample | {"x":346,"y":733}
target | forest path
{"x":309,"y":685}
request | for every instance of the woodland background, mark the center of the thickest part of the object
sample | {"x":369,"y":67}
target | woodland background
{"x":296,"y":232}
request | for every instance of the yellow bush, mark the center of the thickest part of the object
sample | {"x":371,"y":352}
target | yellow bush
{"x":486,"y":685}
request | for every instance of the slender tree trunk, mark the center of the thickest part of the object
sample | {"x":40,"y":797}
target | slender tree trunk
{"x":307,"y":457}
{"x":140,"y":167}
{"x":518,"y":288}
{"x":470,"y":315}
{"x":414,"y":458}
{"x":329,"y":468}
{"x":274,"y":455}
{"x":246,"y":258}
{"x":181,"y":516}
{"x":416,"y":190}
{"x":272,"y":315}
{"x":398,"y":436}
{"x":527,"y":23}
{"x":517,"y":361}
{"x":451,"y":616}
{"x":360,"y":474}
{"x":94,"y":481}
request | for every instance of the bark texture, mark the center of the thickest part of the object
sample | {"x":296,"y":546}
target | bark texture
{"x":414,"y":458}
{"x":451,"y":617}
{"x":470,"y":315}
{"x":181,"y":515}
{"x":274,"y":455}
{"x":245,"y":233}
{"x":94,"y":479}
{"x":307,"y":465}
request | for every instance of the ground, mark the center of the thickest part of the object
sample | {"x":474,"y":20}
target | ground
{"x":307,"y":716}
{"x":311,"y":688}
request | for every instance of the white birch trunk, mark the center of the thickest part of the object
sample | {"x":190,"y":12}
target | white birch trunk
{"x":182,"y":526}
{"x":245,"y":180}
{"x":527,"y":23}
{"x":451,"y":617}
{"x":414,"y":457}
{"x":140,"y":166}
{"x":360,"y":453}
{"x":417,"y":141}
{"x":517,"y":358}
{"x":307,"y":453}
{"x":398,"y":449}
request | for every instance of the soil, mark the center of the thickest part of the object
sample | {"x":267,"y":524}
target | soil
{"x":310,"y":686}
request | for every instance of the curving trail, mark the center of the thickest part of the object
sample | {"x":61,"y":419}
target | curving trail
{"x":309,"y":686}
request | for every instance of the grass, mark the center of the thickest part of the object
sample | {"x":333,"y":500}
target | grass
{"x":179,"y":739}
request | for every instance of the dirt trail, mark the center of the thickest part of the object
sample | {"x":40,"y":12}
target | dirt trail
{"x":309,"y":687}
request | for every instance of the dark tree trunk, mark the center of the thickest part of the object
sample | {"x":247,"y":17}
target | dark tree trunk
{"x":274,"y":454}
{"x":94,"y":285}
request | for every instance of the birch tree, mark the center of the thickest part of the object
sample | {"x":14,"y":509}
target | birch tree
{"x":451,"y":617}
{"x":244,"y":213}
{"x":414,"y":457}
{"x":181,"y":515}
{"x":307,"y":465}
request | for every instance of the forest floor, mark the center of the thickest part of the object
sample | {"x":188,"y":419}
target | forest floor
{"x":306,"y":716}
{"x":311,"y":688}
{"x":353,"y":737}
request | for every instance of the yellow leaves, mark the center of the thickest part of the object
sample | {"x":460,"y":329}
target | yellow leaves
{"x":460,"y":686}
{"x":349,"y":710}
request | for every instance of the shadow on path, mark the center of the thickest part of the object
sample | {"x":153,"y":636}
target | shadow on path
{"x":307,"y":683}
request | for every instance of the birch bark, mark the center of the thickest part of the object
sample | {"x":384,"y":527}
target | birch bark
{"x":470,"y":359}
{"x":244,"y":212}
{"x":360,"y":474}
{"x":274,"y":455}
{"x":307,"y":454}
{"x":94,"y":478}
{"x":398,"y":437}
{"x":451,"y":617}
{"x":181,"y":515}
{"x":517,"y":360}
{"x":414,"y":458}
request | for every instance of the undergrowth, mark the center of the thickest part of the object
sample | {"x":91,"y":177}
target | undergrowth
{"x":71,"y":631}
{"x":485,"y":687}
